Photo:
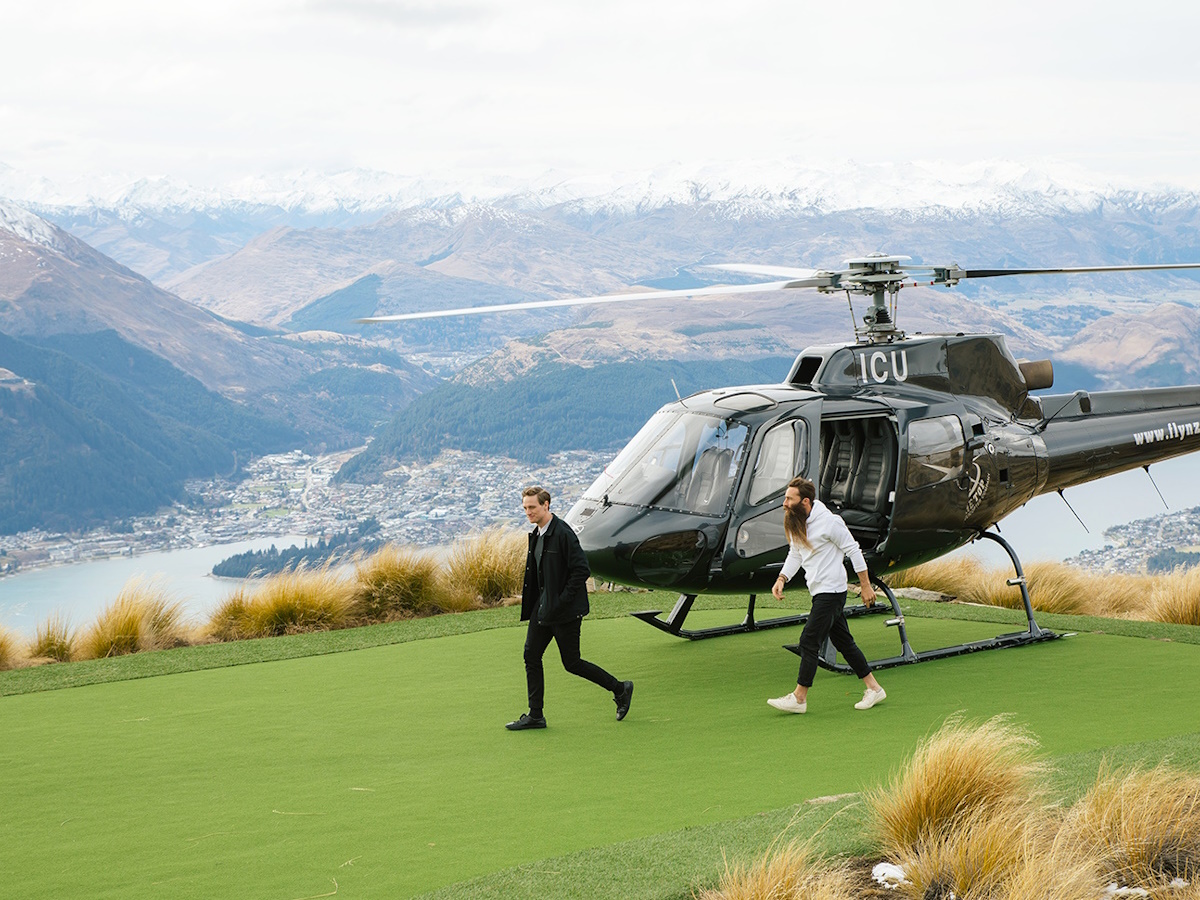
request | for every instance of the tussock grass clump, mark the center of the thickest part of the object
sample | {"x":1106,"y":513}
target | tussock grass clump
{"x":286,"y":603}
{"x":397,"y":582}
{"x":1144,"y":826}
{"x":793,"y":872}
{"x":959,"y":578}
{"x":1053,"y":587}
{"x":487,"y":567}
{"x":228,"y":620}
{"x":961,"y":771}
{"x":12,"y":649}
{"x":54,"y":639}
{"x":1176,"y":598}
{"x":972,"y":858}
{"x":143,"y":617}
{"x":1055,"y":869}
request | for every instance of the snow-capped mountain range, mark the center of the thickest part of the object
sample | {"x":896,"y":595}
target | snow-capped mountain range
{"x":757,"y":187}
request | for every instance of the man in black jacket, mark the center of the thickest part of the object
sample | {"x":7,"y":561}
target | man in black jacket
{"x":554,"y":600}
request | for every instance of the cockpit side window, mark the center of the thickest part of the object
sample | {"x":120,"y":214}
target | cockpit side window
{"x":781,"y":456}
{"x":935,"y":451}
{"x":692,"y":466}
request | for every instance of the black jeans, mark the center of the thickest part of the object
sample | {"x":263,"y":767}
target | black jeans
{"x":828,"y":620}
{"x":567,"y":637}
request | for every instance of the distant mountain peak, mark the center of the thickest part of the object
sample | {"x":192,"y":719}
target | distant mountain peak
{"x":31,"y":228}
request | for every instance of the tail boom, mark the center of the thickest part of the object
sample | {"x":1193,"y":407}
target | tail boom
{"x":1089,"y":436}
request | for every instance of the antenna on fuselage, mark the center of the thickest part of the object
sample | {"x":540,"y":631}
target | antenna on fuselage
{"x":1160,"y":494}
{"x":1072,"y":509}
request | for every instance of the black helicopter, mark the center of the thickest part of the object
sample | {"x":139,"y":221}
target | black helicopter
{"x":920,"y":443}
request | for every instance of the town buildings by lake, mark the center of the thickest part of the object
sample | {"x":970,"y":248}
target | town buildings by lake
{"x":294,"y":494}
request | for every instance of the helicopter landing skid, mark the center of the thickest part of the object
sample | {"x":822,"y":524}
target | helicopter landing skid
{"x":673,"y":624}
{"x":1034,"y":634}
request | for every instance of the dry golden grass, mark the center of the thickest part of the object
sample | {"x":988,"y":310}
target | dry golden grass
{"x":228,"y":621}
{"x":286,"y":603}
{"x":54,"y":639}
{"x":1060,"y":588}
{"x":1054,"y":869}
{"x":959,"y":578}
{"x":975,"y":857}
{"x":1176,"y":598}
{"x":793,"y":872}
{"x":12,"y":649}
{"x":962,"y":770}
{"x":487,"y":567}
{"x":397,"y":582}
{"x":143,"y":617}
{"x":1144,"y":826}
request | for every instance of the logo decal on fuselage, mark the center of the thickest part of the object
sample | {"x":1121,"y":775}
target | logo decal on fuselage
{"x":1174,"y":431}
{"x":876,"y":367}
{"x":978,"y":489}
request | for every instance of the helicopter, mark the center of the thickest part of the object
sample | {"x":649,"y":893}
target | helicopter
{"x":922,"y":443}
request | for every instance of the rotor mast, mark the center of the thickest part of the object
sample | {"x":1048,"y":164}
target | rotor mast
{"x":879,"y":277}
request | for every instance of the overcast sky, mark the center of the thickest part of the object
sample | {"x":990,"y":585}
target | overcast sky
{"x":220,"y":90}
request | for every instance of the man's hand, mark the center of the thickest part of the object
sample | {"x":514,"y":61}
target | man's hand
{"x":868,"y":594}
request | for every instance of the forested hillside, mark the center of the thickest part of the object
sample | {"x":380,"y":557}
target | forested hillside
{"x":110,"y":430}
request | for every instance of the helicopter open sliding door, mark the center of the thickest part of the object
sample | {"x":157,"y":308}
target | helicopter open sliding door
{"x":939,"y":474}
{"x":857,"y":475}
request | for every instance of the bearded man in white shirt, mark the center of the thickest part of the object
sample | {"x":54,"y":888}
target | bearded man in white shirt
{"x":818,"y":542}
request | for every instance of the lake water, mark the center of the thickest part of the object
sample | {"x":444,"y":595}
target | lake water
{"x":1045,"y":528}
{"x":81,"y":591}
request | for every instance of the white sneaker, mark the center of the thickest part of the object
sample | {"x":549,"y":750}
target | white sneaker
{"x":870,"y":698}
{"x":789,"y":703}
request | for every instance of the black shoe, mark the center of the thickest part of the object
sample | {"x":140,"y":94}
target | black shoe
{"x":623,"y":699}
{"x":528,"y":721}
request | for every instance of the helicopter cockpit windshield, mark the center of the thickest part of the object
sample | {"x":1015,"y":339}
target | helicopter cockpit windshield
{"x":681,"y":461}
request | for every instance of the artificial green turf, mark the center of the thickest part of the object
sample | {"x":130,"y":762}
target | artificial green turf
{"x":387,"y":771}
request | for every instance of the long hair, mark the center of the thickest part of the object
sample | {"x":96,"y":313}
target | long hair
{"x":795,"y":522}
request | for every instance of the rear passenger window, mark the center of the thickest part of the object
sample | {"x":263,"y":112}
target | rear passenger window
{"x":935,"y":451}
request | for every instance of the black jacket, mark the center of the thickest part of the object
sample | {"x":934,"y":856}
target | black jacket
{"x":565,"y":573}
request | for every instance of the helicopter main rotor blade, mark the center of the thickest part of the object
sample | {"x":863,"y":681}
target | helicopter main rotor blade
{"x":994,"y":273}
{"x":871,"y":276}
{"x":715,"y":290}
{"x":766,"y":271}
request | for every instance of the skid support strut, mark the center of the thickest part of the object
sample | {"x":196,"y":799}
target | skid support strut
{"x":673,"y":624}
{"x":1032,"y":635}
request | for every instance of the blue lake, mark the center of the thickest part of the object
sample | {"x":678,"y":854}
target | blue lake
{"x":81,"y":591}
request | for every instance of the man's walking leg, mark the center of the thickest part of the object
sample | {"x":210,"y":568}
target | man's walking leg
{"x":537,"y":639}
{"x":567,"y":638}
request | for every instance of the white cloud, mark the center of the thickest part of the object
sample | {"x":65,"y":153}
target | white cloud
{"x":218,"y":90}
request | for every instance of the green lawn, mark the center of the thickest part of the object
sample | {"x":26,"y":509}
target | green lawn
{"x":385,"y":770}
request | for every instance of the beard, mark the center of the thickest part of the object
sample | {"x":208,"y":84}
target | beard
{"x":795,"y":524}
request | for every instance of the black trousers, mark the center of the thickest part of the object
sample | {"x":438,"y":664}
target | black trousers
{"x":828,"y":620}
{"x":538,"y":638}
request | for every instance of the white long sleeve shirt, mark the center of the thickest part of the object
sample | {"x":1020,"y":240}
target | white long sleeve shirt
{"x":830,"y":542}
